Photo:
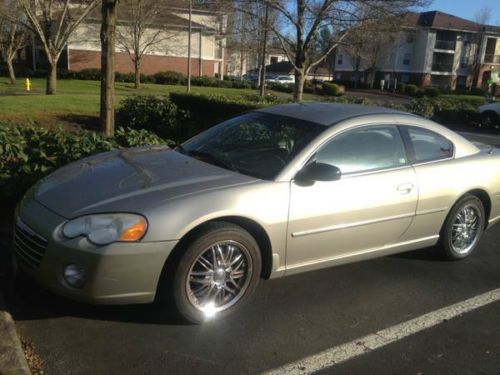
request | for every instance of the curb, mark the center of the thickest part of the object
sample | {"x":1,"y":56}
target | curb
{"x":12,"y":359}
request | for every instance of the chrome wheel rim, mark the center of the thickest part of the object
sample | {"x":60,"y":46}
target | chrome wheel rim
{"x":219,"y":277}
{"x":466,"y":229}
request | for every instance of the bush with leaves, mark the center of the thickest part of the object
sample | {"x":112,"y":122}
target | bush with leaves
{"x":432,"y":92}
{"x":29,"y":152}
{"x":153,"y":113}
{"x":411,"y":90}
{"x":169,"y":78}
{"x":332,"y":89}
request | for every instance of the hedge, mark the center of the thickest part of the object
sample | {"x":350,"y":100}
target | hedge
{"x":332,"y":89}
{"x":205,"y":111}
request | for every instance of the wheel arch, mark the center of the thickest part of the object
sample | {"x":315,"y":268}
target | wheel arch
{"x":485,"y":199}
{"x":255,"y":229}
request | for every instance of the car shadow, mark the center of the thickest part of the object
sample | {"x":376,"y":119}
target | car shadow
{"x":28,"y":301}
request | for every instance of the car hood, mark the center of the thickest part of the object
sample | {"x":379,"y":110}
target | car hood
{"x":130,"y":180}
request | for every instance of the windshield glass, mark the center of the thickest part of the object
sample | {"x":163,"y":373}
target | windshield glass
{"x":256,"y":144}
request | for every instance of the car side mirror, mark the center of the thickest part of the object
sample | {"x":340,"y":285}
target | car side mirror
{"x":319,"y":172}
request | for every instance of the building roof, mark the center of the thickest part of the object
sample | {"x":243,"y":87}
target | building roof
{"x":440,"y":20}
{"x":326,"y":114}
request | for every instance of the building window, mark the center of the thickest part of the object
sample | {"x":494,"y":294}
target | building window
{"x":274,"y":59}
{"x":405,"y":78}
{"x":406,"y":59}
{"x":340,"y":59}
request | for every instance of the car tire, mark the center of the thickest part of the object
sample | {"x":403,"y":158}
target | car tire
{"x":489,"y":119}
{"x":463,"y":228}
{"x":217,"y":273}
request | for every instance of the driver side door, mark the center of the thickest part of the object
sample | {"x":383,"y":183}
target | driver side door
{"x":369,"y":207}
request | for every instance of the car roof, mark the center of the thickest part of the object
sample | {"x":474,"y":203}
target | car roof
{"x":326,"y":113}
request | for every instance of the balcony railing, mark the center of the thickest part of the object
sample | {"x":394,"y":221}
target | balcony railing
{"x":492,"y":59}
{"x":445,"y":45}
{"x":442,"y":67}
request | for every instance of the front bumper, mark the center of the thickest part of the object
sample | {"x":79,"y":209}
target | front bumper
{"x":119,"y":273}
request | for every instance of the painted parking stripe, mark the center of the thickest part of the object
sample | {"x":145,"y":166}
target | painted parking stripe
{"x":363,"y":345}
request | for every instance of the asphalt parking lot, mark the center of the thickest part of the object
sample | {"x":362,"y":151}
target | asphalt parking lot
{"x":289,"y":319}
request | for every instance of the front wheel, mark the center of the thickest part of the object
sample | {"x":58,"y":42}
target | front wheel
{"x":463,"y":228}
{"x":217,"y":274}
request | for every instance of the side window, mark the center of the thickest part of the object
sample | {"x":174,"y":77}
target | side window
{"x":366,"y":149}
{"x":429,"y":146}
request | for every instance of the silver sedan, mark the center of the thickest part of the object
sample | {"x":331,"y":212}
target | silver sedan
{"x":273,"y":192}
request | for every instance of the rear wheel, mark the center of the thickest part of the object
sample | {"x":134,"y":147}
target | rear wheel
{"x":463,"y":228}
{"x":217,"y":274}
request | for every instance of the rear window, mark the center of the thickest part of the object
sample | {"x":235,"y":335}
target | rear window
{"x":428,"y":145}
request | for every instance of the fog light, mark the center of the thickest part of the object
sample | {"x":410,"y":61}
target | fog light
{"x":74,"y":276}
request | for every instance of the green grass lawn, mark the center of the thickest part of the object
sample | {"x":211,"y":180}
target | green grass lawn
{"x":82,"y":97}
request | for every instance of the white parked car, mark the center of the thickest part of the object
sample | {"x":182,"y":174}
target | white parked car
{"x":490,"y":114}
{"x":281,"y":79}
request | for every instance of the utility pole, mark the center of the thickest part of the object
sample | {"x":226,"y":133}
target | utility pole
{"x":189,"y":47}
{"x":263,"y":54}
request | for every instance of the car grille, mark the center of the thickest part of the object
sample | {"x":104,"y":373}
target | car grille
{"x":30,"y":247}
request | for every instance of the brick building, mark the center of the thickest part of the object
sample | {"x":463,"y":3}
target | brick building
{"x":170,"y":52}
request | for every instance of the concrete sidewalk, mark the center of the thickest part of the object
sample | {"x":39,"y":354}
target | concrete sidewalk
{"x":12,"y":360}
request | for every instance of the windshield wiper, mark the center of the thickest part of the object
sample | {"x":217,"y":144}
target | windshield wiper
{"x":215,"y":160}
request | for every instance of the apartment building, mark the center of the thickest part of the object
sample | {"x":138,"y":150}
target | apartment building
{"x":433,"y":49}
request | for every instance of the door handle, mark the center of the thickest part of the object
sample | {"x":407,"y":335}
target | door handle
{"x":405,"y":188}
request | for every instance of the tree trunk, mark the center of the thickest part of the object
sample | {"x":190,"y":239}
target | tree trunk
{"x":51,"y":79}
{"x":108,"y":28}
{"x":300,"y":79}
{"x":12,"y":74}
{"x":137,"y":72}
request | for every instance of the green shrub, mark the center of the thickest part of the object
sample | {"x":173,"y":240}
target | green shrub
{"x":401,"y":87}
{"x":281,"y":87}
{"x":424,"y":107}
{"x":432,"y":92}
{"x":128,"y":137}
{"x":29,"y":152}
{"x":411,"y":90}
{"x":169,"y":78}
{"x":332,"y":89}
{"x":208,"y":110}
{"x":477,"y":91}
{"x":20,"y":71}
{"x":153,"y":113}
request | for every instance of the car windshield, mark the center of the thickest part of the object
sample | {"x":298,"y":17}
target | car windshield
{"x":256,"y":144}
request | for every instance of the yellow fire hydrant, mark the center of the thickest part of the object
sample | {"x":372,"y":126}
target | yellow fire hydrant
{"x":27,"y":84}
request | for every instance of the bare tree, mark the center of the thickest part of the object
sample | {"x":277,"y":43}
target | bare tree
{"x":14,"y":36}
{"x":138,"y":29}
{"x":368,"y":41}
{"x":108,"y":43}
{"x":53,"y":21}
{"x":307,"y":17}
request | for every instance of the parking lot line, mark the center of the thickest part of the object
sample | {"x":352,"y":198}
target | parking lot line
{"x":362,"y":345}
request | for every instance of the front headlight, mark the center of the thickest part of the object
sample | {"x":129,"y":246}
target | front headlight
{"x":103,"y":229}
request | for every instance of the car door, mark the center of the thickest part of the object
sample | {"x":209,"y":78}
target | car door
{"x":370,"y":206}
